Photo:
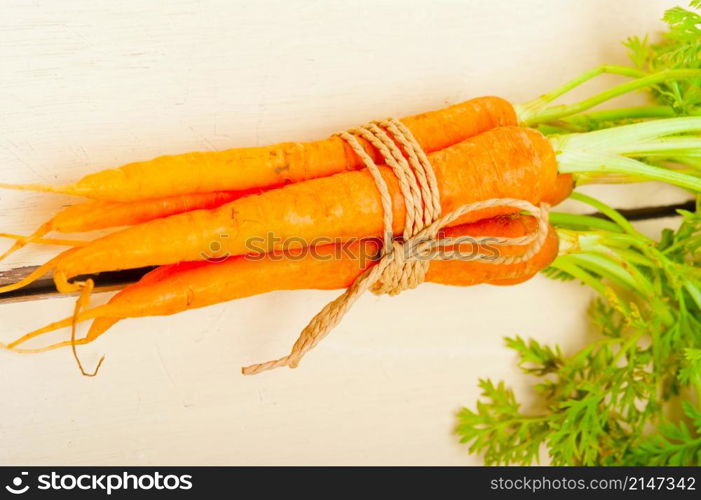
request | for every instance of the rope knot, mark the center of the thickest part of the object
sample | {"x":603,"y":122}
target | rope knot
{"x":402,"y":269}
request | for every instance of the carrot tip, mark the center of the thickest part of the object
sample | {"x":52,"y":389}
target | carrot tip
{"x":28,"y":187}
{"x":22,"y":241}
{"x":32,"y":277}
{"x":86,"y":289}
{"x":68,"y":189}
{"x":13,"y":236}
{"x":95,"y":371}
{"x":25,"y":240}
{"x":13,"y":248}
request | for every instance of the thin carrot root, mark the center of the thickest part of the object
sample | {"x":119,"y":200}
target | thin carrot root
{"x":51,"y":347}
{"x":60,"y":279}
{"x":102,"y":322}
{"x":83,"y":302}
{"x":35,"y":275}
{"x":45,"y":188}
{"x":64,"y":323}
{"x":25,"y":240}
{"x":99,"y":326}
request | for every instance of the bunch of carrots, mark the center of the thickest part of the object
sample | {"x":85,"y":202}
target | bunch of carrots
{"x":173,"y":211}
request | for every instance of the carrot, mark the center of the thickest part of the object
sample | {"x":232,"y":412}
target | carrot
{"x":564,"y":184}
{"x":506,"y":162}
{"x":24,"y":240}
{"x":268,"y":166}
{"x":94,"y":215}
{"x":176,"y":288}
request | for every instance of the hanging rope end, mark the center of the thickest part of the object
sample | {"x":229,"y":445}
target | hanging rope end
{"x":95,"y":371}
{"x":269,"y":365}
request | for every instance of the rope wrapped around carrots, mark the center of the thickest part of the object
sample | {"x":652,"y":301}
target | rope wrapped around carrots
{"x":403,"y":265}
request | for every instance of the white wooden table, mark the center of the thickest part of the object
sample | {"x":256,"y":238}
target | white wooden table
{"x":89,"y":84}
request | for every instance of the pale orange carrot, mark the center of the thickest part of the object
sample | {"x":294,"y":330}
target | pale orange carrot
{"x":94,"y":215}
{"x":180,"y":287}
{"x":279,"y":164}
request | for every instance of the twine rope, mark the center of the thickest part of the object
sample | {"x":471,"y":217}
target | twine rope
{"x":403,"y":264}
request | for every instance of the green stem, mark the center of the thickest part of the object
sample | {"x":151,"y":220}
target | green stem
{"x":668,"y":146}
{"x":607,"y":211}
{"x":603,"y":265}
{"x":543,"y":100}
{"x":531,"y":116}
{"x":584,"y":178}
{"x":629,"y":256}
{"x":635,"y":112}
{"x":619,"y":139}
{"x":612,"y":115}
{"x":691,"y":241}
{"x":625,"y":347}
{"x":563,"y":263}
{"x":690,"y":163}
{"x":600,"y":155}
{"x":694,"y":292}
{"x":576,"y":221}
{"x":590,"y":163}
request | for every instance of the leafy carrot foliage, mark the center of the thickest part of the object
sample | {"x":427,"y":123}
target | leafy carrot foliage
{"x":680,"y":48}
{"x":633,"y":395}
{"x":610,"y":402}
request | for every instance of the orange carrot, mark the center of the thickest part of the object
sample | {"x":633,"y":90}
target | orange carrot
{"x":506,"y":162}
{"x":22,"y":240}
{"x":180,"y":287}
{"x":247,"y":168}
{"x":94,"y":215}
{"x":564,"y":184}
